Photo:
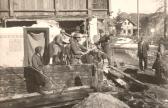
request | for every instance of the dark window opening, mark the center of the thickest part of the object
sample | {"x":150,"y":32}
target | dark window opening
{"x":70,"y":26}
{"x":20,"y":23}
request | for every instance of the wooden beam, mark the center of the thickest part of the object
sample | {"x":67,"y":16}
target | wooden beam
{"x":45,"y":100}
{"x":62,"y":104}
{"x":89,"y":7}
{"x":99,"y":9}
{"x":52,"y":10}
{"x":56,"y":7}
{"x":73,"y":10}
{"x":10,"y":4}
{"x":129,"y":77}
{"x":4,"y":10}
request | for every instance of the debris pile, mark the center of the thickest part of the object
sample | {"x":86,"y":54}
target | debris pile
{"x":100,"y":100}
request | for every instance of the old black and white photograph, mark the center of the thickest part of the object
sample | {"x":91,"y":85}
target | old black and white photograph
{"x":83,"y":53}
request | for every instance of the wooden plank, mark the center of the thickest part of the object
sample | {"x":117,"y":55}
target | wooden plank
{"x":4,"y":10}
{"x":100,"y":9}
{"x":56,"y":7}
{"x":129,"y":77}
{"x":73,"y":10}
{"x":42,"y":100}
{"x":89,"y":7}
{"x":55,"y":11}
{"x":11,"y":12}
{"x":29,"y":10}
{"x":61,"y":104}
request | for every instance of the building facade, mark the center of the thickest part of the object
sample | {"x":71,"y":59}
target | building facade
{"x":128,"y":28}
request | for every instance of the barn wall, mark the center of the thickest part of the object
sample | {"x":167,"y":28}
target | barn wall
{"x":72,"y":4}
{"x":51,"y":7}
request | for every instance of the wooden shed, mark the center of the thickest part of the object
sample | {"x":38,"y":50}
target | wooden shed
{"x":59,"y":10}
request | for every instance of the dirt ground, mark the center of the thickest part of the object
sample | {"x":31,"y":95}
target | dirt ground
{"x":157,"y":92}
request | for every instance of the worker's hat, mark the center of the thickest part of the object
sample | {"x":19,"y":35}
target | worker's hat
{"x":62,"y":31}
{"x":77,"y":35}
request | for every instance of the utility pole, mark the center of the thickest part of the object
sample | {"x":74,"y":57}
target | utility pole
{"x":138,"y":18}
{"x":165,"y":18}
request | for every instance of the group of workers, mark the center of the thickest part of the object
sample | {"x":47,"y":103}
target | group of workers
{"x":66,"y":49}
{"x":69,"y":51}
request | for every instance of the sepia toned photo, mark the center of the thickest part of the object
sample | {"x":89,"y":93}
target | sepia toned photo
{"x":83,"y":54}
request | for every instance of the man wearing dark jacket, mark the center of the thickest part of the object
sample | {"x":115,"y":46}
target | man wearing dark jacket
{"x":104,"y":43}
{"x":76,"y":49}
{"x":143,"y":48}
{"x":37,"y":59}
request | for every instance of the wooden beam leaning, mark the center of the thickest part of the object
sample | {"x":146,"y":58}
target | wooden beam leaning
{"x":129,"y":77}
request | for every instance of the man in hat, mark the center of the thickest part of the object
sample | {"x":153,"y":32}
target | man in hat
{"x":77,"y":50}
{"x":143,"y":48}
{"x":58,"y":47}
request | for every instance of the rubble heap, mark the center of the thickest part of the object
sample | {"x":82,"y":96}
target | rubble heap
{"x":100,"y":100}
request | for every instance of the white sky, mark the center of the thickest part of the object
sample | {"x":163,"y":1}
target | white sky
{"x":130,"y":6}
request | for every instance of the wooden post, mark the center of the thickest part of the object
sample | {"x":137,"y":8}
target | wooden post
{"x":138,"y":18}
{"x":56,"y":8}
{"x":89,"y":7}
{"x":11,"y":11}
{"x":165,"y":18}
{"x":110,"y":9}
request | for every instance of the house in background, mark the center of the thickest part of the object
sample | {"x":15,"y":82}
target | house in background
{"x":128,"y":27}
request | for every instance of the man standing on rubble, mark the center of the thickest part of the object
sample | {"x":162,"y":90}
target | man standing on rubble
{"x":77,"y":50}
{"x":143,"y":48}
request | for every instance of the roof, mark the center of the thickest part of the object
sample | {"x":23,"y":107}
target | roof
{"x":134,"y":23}
{"x":132,"y":17}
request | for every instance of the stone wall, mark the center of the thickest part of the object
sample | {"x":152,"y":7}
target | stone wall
{"x":12,"y":79}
